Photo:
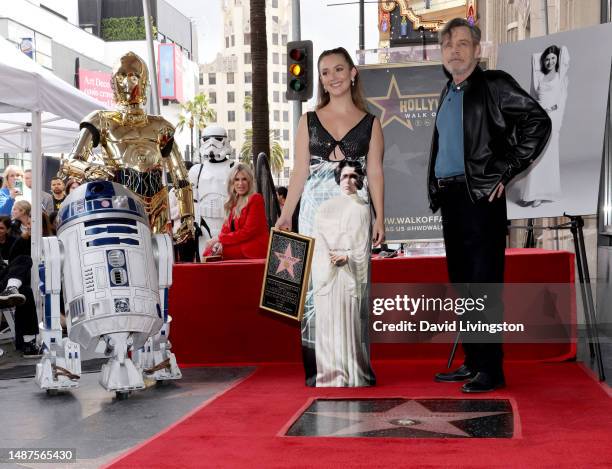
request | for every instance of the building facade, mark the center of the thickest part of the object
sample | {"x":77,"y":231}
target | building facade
{"x":227,"y":81}
{"x":66,"y":37}
{"x":513,"y":20}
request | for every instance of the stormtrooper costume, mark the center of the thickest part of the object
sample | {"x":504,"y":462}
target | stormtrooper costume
{"x":209,"y":181}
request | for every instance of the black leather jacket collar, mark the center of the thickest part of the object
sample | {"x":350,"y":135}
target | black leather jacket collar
{"x":504,"y":131}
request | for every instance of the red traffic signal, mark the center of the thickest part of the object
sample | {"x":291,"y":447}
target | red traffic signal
{"x":297,"y":54}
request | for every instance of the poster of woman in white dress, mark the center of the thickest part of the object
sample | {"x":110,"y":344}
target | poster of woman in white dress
{"x":340,"y":279}
{"x":550,"y":81}
{"x":569,"y":75}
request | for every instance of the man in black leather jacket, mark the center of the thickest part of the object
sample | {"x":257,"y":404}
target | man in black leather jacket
{"x":488,"y":130}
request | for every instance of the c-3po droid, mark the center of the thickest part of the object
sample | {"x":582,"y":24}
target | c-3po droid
{"x":135,"y":149}
{"x":115,"y":275}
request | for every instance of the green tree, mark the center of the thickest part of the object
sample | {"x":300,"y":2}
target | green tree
{"x":277,"y":156}
{"x":130,"y":28}
{"x":196,"y":114}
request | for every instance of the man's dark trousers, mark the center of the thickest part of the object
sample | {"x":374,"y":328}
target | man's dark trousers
{"x":475,"y":241}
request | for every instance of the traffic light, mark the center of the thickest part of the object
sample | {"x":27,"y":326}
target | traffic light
{"x":299,"y":71}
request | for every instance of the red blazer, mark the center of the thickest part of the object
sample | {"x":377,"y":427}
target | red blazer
{"x":250,"y":238}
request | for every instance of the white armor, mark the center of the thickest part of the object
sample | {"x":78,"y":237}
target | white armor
{"x":116,"y":276}
{"x":209,"y":182}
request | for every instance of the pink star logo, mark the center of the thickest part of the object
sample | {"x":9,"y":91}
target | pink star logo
{"x":287,"y":261}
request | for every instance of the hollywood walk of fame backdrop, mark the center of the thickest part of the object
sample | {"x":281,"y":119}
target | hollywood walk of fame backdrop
{"x":405,"y":99}
{"x":406,"y":418}
{"x":286,"y":275}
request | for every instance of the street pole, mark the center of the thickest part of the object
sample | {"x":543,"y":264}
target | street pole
{"x":296,"y":35}
{"x":361,"y":31}
{"x":36,"y":213}
{"x":153,"y":64}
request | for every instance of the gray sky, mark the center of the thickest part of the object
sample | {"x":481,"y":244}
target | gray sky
{"x":327,"y":27}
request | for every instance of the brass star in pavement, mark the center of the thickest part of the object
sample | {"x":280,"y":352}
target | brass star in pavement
{"x":409,"y":415}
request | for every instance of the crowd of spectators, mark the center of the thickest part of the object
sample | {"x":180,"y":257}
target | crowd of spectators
{"x":15,"y":249}
{"x":244,"y":235}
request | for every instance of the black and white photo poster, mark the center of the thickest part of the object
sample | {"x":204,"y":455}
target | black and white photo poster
{"x":569,"y":75}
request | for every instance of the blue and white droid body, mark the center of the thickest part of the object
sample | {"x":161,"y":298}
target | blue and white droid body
{"x":113,"y":272}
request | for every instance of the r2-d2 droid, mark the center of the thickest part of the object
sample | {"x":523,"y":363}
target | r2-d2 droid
{"x":116,"y":277}
{"x":209,"y":181}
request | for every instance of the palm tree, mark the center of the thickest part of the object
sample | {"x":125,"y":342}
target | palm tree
{"x":276,"y":157}
{"x":248,"y":104}
{"x":196,"y":113}
{"x":259,"y":57}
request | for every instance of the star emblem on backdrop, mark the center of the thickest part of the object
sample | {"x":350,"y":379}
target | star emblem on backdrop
{"x":390,"y":106}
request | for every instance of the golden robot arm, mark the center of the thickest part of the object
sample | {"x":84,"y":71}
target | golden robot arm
{"x":184,"y":194}
{"x":78,"y":165}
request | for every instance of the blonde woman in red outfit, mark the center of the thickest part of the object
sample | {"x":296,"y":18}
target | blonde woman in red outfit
{"x":245,"y":232}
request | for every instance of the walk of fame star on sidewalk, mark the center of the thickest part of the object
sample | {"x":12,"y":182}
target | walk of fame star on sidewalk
{"x":407,"y":418}
{"x":410,"y":414}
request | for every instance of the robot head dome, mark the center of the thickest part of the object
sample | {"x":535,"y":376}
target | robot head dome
{"x":130,"y":80}
{"x":99,"y":199}
{"x":215,"y":144}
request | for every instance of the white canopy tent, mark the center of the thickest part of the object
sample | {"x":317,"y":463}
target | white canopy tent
{"x":40,"y":111}
{"x":57,"y":134}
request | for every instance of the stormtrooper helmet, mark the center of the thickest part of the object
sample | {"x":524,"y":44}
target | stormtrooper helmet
{"x":215,"y":144}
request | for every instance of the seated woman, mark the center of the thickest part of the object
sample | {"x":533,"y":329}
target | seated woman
{"x":245,"y":232}
{"x":15,"y":281}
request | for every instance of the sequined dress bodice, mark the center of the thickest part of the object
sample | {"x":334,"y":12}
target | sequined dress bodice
{"x":354,"y":145}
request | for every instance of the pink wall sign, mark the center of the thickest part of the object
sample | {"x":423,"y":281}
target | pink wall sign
{"x":97,"y":85}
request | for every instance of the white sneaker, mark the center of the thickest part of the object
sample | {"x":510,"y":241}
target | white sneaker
{"x":11,"y":297}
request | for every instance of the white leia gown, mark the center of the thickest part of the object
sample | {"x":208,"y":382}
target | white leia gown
{"x":342,"y":226}
{"x":543,"y":180}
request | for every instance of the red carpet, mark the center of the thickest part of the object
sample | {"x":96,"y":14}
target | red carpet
{"x":563,"y":419}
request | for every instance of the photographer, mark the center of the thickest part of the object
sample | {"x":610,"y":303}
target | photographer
{"x":12,"y":187}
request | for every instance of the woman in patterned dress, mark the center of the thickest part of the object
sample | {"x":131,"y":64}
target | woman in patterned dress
{"x":340,"y":129}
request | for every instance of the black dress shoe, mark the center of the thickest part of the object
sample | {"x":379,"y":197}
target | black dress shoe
{"x":483,"y":382}
{"x":460,"y":374}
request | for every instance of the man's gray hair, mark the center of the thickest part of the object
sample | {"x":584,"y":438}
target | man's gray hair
{"x":458,"y":23}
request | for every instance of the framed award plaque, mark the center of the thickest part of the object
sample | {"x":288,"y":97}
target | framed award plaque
{"x":287,"y":273}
